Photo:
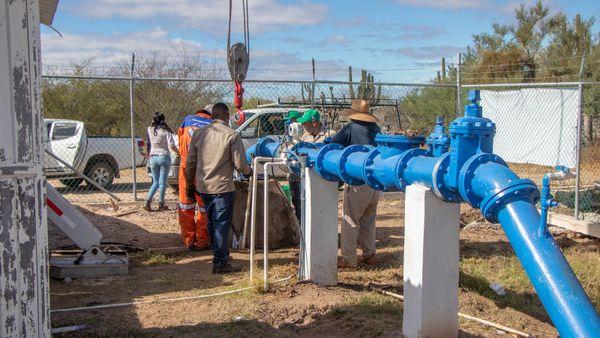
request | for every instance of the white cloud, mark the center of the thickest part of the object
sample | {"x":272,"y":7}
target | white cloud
{"x":339,"y":40}
{"x":112,"y":50}
{"x":445,"y":4}
{"x":108,"y":49}
{"x":208,"y":15}
{"x":423,"y":53}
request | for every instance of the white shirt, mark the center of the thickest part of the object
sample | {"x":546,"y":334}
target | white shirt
{"x":161,"y":143}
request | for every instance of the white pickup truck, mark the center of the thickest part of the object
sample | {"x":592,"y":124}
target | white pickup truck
{"x":99,"y":157}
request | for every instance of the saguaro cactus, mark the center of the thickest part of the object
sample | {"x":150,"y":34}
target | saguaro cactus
{"x":366,"y":88}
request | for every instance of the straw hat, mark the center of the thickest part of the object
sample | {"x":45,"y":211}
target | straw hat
{"x":359,"y":111}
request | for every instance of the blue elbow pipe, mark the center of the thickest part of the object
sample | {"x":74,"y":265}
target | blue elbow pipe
{"x":502,"y":196}
{"x":566,"y":302}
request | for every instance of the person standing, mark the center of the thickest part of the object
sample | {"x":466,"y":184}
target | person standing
{"x":215,"y":151}
{"x":194,"y":230}
{"x":160,"y":139}
{"x":313,"y":128}
{"x":360,"y":202}
{"x":294,"y":180}
{"x":313,"y":132}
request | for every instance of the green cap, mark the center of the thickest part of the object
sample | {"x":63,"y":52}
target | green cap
{"x":310,"y":115}
{"x":292,"y":114}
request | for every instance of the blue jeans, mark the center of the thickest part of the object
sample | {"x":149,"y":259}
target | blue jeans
{"x":159,"y":165}
{"x":219,"y":208}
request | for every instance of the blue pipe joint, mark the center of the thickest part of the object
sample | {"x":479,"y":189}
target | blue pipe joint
{"x":267,"y":147}
{"x":487,"y":183}
{"x":351,"y":164}
{"x":302,"y":148}
{"x":438,"y":142}
{"x":327,"y":169}
{"x":251,"y":153}
{"x":469,"y":135}
{"x":439,"y":187}
{"x":379,"y":166}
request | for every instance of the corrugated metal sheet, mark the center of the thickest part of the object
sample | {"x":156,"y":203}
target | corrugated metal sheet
{"x":24,"y":304}
{"x":47,"y":10}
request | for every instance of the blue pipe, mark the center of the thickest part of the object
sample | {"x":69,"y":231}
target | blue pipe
{"x":561,"y":293}
{"x":469,"y":172}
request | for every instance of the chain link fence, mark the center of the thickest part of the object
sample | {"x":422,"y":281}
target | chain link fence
{"x":89,"y":124}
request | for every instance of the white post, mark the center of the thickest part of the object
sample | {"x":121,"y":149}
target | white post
{"x":321,"y":229}
{"x":431,"y":265}
{"x":25,"y":300}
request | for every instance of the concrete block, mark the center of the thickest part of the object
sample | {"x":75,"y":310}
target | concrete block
{"x":431,"y":265}
{"x":321,"y":229}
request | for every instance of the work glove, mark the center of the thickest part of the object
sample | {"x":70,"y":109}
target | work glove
{"x":190,"y":193}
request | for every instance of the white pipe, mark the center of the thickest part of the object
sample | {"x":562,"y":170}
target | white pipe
{"x":255,"y":165}
{"x":266,"y":221}
{"x":469,"y":317}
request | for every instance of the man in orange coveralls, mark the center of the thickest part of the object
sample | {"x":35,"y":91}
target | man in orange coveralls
{"x":194,"y":231}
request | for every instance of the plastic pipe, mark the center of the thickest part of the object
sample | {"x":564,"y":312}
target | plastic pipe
{"x":567,"y":304}
{"x":255,"y":162}
{"x":266,"y":222}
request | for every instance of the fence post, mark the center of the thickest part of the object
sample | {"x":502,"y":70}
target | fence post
{"x":312,"y":102}
{"x":578,"y":145}
{"x":131,"y":117}
{"x":458,"y":87}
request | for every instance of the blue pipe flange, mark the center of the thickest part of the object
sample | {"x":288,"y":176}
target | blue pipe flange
{"x":343,"y":172}
{"x":522,"y":189}
{"x":467,"y":173}
{"x":296,"y":149}
{"x":368,"y":171}
{"x":319,"y":168}
{"x":261,"y":147}
{"x":402,"y":164}
{"x":437,"y":177}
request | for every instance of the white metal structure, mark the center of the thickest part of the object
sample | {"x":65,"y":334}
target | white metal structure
{"x":25,"y":301}
{"x":92,"y":259}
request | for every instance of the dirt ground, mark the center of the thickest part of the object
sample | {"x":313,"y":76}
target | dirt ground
{"x":292,"y":309}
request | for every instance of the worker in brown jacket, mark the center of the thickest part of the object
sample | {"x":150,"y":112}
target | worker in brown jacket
{"x":215,"y":151}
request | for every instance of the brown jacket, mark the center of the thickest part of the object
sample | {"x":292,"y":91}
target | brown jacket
{"x":215,"y":151}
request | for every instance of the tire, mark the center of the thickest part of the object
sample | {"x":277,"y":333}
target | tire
{"x":71,"y":182}
{"x":102,"y":173}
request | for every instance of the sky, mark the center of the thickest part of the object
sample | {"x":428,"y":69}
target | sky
{"x":396,"y":40}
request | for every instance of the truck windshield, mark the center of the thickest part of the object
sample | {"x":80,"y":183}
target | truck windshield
{"x":64,"y":130}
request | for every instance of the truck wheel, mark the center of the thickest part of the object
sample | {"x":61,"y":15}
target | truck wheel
{"x":102,"y":173}
{"x":71,"y":182}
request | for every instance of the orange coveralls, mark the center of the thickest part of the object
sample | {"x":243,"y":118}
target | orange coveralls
{"x":194,"y":231}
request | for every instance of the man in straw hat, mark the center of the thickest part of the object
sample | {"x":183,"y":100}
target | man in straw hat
{"x":360,"y":202}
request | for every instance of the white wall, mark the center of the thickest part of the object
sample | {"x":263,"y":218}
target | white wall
{"x":24,"y":305}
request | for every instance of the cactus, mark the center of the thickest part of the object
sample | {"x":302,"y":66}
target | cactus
{"x":366,"y":89}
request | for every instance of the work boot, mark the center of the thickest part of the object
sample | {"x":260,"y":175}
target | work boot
{"x":148,"y":206}
{"x":226,"y":268}
{"x":194,"y":247}
{"x":342,"y":264}
{"x":162,"y":207}
{"x":367,"y":260}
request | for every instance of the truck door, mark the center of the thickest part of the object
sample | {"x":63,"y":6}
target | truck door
{"x":261,"y":125}
{"x":68,"y":141}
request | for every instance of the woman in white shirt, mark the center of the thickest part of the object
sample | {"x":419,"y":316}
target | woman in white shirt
{"x":160,"y":138}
